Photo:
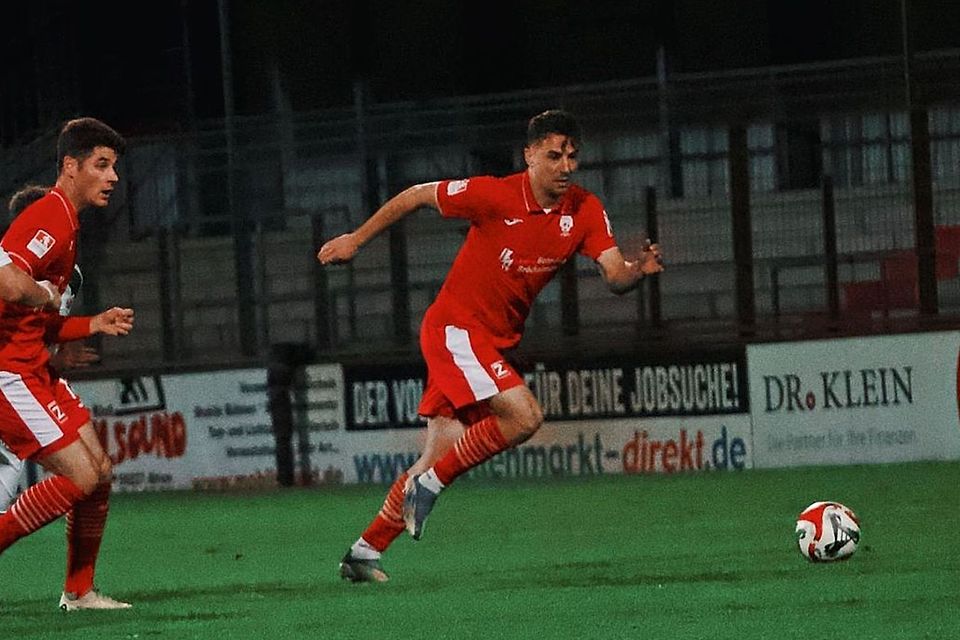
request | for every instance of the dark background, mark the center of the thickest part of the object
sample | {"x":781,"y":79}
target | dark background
{"x":150,"y":67}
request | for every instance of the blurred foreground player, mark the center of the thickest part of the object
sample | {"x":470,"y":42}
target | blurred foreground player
{"x":19,"y":288}
{"x":15,"y":285}
{"x":524,"y":227}
{"x":63,"y":358}
{"x":41,"y":418}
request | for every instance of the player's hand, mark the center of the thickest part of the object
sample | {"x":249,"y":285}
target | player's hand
{"x":74,"y":355}
{"x":340,"y":249}
{"x":115,"y":321}
{"x":53,"y":304}
{"x":643,"y":256}
{"x":650,"y":259}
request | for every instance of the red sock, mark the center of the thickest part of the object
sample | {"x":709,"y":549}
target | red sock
{"x":389,"y":522}
{"x":85,"y":524}
{"x":479,"y":443}
{"x":39,"y":505}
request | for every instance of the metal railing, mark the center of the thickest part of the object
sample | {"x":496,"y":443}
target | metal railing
{"x":296,"y":178}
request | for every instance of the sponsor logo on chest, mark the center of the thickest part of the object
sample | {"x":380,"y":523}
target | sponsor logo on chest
{"x":541,"y":249}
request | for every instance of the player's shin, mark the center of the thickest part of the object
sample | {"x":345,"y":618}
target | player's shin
{"x":85,"y":526}
{"x":388,"y":524}
{"x":39,"y":505}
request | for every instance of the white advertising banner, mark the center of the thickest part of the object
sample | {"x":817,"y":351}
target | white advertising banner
{"x":213,"y":430}
{"x":184,"y":431}
{"x":857,"y":400}
{"x":560,"y":449}
{"x":319,"y":421}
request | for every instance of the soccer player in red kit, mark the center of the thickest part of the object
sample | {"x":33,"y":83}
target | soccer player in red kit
{"x":523,"y":229}
{"x":40,"y":417}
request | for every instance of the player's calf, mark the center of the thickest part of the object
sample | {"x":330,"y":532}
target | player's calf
{"x":36,"y":507}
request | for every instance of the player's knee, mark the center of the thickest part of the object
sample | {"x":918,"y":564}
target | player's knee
{"x":106,"y":471}
{"x":86,"y":479}
{"x":529,"y":422}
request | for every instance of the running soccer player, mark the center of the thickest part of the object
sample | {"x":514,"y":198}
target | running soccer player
{"x":524,"y":227}
{"x":41,"y":418}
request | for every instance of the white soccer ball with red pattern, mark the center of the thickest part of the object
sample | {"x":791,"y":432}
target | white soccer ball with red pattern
{"x":827,"y":531}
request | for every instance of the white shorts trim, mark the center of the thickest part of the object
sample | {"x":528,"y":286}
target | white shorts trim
{"x":458,"y":344}
{"x":31,"y":412}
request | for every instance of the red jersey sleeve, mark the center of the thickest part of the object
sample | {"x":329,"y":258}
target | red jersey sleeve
{"x":599,"y":234}
{"x":64,"y":329}
{"x":474,"y":199}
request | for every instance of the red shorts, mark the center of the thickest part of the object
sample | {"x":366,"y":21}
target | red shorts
{"x":464,"y":370}
{"x":39,"y":413}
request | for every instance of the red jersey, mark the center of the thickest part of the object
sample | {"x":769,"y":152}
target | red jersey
{"x":512,"y":250}
{"x":42,"y":241}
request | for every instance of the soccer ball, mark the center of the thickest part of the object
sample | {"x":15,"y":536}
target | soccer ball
{"x":827,"y":531}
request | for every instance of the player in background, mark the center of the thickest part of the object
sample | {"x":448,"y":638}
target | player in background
{"x":41,"y":418}
{"x":524,"y":227}
{"x":63,"y":358}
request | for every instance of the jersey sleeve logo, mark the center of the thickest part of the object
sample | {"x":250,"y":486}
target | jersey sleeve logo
{"x":456,"y":186}
{"x":41,"y":243}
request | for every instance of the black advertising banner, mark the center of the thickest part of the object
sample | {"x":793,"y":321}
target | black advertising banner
{"x":383,"y":397}
{"x":694,"y":385}
{"x":386,"y":397}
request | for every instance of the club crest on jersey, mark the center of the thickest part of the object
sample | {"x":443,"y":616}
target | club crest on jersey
{"x":41,"y":243}
{"x":456,"y":186}
{"x":566,"y":225}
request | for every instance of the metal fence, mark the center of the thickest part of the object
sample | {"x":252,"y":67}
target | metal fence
{"x":786,"y":201}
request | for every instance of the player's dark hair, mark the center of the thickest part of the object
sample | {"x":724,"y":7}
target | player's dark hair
{"x":25,"y":197}
{"x":80,"y":137}
{"x":552,"y":121}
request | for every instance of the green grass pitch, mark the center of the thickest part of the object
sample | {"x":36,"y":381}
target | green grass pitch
{"x":693,"y":556}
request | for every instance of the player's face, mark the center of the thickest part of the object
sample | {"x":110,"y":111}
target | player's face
{"x":93,"y":178}
{"x":552,"y":162}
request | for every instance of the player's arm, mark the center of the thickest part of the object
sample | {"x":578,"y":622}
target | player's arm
{"x":16,"y":286}
{"x":343,"y":248}
{"x":73,"y":355}
{"x":115,"y":321}
{"x":622,"y":275}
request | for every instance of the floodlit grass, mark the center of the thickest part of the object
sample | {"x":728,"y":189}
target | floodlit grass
{"x":694,"y":556}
